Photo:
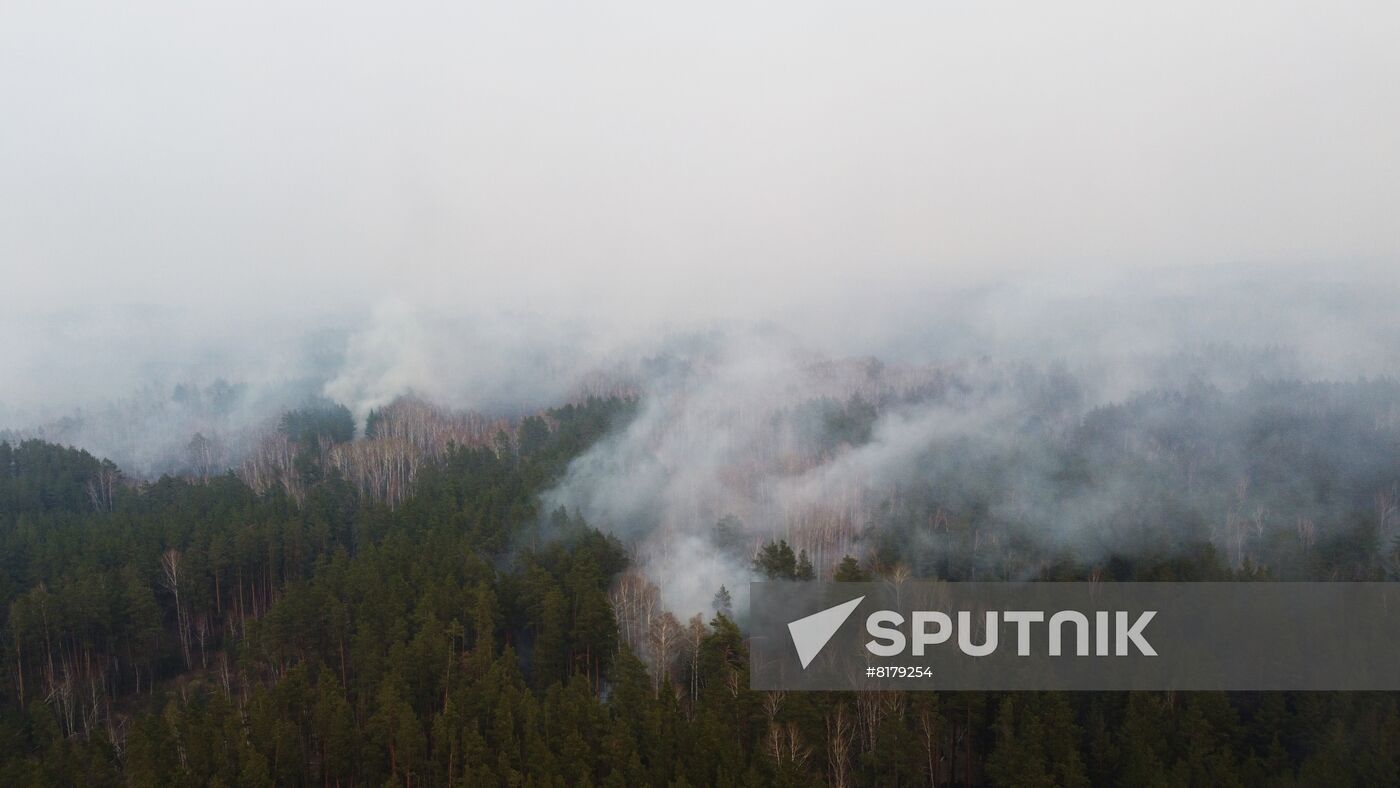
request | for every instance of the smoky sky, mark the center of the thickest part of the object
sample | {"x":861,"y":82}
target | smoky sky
{"x":190,"y":189}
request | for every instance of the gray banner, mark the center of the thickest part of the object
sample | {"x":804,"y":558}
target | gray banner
{"x":1075,"y":636}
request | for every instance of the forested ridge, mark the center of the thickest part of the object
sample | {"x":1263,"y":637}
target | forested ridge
{"x":196,"y":631}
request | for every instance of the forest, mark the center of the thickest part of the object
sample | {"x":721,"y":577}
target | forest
{"x":405,"y":608}
{"x":411,"y":395}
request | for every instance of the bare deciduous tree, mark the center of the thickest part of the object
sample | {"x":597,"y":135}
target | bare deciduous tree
{"x":170,"y":565}
{"x":665,"y":640}
{"x":840,"y":734}
{"x":102,"y":488}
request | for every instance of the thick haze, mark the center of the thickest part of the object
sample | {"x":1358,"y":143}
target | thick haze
{"x":480,"y":203}
{"x":191,"y":190}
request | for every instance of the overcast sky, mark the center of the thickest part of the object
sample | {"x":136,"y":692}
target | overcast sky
{"x":666,"y":159}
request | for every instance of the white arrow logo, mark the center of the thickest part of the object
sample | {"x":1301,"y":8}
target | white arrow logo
{"x":810,"y":634}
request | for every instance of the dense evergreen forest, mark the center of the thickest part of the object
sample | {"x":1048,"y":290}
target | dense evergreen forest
{"x":193,"y":631}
